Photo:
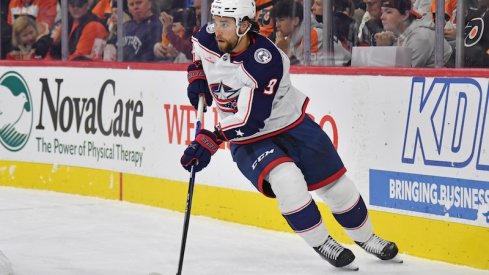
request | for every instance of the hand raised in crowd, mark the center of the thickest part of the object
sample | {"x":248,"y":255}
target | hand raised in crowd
{"x":450,"y":34}
{"x":167,"y":21}
{"x":172,"y":52}
{"x":161,"y":50}
{"x":164,"y":51}
{"x":385,"y":38}
{"x":282,"y":42}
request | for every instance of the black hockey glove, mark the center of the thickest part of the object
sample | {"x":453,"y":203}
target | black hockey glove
{"x":197,"y":85}
{"x":200,"y":150}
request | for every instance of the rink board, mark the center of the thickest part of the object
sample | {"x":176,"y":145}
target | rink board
{"x":416,"y":147}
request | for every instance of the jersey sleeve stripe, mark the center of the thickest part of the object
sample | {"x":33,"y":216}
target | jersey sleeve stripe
{"x":196,"y":42}
{"x":251,"y":78}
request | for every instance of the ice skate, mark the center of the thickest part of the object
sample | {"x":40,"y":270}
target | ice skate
{"x":336,"y":254}
{"x":381,"y":248}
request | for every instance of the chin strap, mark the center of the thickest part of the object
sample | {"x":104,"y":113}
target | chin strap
{"x":243,"y":34}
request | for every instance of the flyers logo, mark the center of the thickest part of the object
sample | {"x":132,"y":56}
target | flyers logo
{"x":473,"y":32}
{"x":264,"y":17}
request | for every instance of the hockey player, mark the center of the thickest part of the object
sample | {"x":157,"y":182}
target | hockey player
{"x":279,"y":148}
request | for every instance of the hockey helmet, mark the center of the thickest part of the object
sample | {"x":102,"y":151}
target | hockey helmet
{"x":237,"y":9}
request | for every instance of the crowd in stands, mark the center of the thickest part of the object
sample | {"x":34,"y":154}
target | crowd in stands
{"x":161,"y":30}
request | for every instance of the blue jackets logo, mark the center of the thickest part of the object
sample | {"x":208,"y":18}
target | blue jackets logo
{"x":445,"y":127}
{"x":16,"y":114}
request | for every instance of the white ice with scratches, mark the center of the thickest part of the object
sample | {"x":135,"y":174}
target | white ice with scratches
{"x":44,"y":232}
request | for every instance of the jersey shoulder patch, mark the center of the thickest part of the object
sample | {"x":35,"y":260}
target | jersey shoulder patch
{"x":263,"y":56}
{"x":263,"y":62}
{"x":210,"y":28}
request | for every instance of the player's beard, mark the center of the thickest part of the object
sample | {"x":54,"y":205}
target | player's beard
{"x":229,"y":44}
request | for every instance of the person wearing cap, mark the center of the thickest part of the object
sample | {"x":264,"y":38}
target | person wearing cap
{"x":84,"y":27}
{"x":280,"y":149}
{"x":406,"y":28}
{"x":140,"y":33}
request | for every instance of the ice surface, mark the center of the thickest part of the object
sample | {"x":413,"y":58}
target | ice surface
{"x":49,"y":233}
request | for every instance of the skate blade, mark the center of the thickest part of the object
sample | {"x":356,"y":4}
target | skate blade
{"x":352,"y":266}
{"x":396,"y":259}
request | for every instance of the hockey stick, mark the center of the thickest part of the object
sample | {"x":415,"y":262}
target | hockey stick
{"x":188,"y":207}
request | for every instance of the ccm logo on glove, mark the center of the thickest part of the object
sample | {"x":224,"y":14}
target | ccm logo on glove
{"x":200,"y":150}
{"x":210,"y":145}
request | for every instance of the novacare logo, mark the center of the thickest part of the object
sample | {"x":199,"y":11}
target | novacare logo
{"x":16,"y":114}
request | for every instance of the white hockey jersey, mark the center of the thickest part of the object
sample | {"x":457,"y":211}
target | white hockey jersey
{"x":252,"y":90}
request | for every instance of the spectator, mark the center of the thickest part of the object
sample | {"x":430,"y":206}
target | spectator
{"x":140,"y":33}
{"x":29,"y":40}
{"x":371,"y":23}
{"x":450,"y":19}
{"x":344,"y":6}
{"x":404,"y":27}
{"x":288,"y":15}
{"x":176,"y":38}
{"x":344,"y":28}
{"x":84,"y":27}
{"x":112,"y":21}
{"x":43,"y":11}
{"x":450,"y":7}
{"x":103,"y":10}
{"x":198,"y":13}
{"x":177,"y":32}
{"x":477,"y":37}
{"x":264,"y":18}
{"x":180,"y":57}
{"x":360,"y":9}
{"x":422,"y":6}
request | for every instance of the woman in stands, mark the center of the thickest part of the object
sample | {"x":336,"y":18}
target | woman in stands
{"x":30,"y":40}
